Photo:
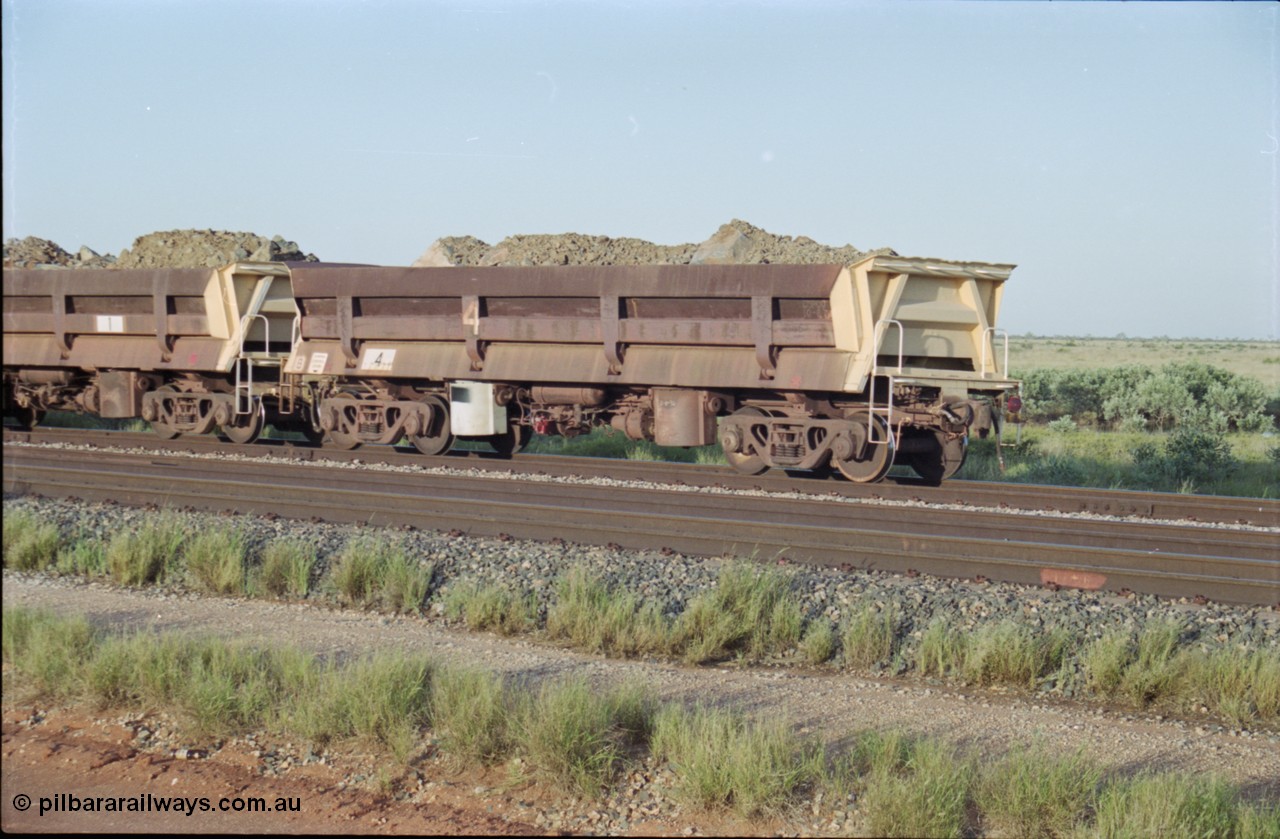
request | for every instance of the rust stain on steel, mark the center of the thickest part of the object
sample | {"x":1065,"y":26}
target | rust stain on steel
{"x":669,"y":281}
{"x":1087,"y":580}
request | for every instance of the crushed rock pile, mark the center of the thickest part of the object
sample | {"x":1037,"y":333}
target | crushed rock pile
{"x":34,"y":252}
{"x":207,"y":249}
{"x":737,"y":242}
{"x":162,"y":249}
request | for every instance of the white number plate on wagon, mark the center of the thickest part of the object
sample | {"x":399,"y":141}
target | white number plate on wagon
{"x":377,"y":359}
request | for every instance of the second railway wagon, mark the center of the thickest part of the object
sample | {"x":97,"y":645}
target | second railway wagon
{"x":888,"y":360}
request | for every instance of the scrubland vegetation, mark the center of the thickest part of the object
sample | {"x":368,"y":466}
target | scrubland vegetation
{"x":579,"y":739}
{"x":752,"y":614}
{"x":1185,"y":427}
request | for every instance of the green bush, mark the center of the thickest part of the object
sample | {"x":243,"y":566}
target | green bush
{"x":1135,"y":395}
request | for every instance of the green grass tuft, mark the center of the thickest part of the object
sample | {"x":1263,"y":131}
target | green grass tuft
{"x":869,"y":638}
{"x":1032,"y":793}
{"x":722,"y":759}
{"x":571,"y":734}
{"x":377,"y":571}
{"x":471,"y":712}
{"x":942,"y":649}
{"x":914,"y":788}
{"x":216,"y":561}
{"x":490,"y":607}
{"x":752,"y":612}
{"x":1013,"y":654}
{"x":819,"y":642}
{"x":29,"y":543}
{"x":594,"y":617}
{"x":286,"y":567}
{"x":146,"y":555}
{"x":1167,"y":804}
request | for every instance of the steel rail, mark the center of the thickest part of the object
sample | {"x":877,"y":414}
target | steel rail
{"x":802,"y":530}
{"x":1150,"y":505}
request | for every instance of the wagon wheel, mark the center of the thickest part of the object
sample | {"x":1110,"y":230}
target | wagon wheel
{"x":245,"y":428}
{"x":342,"y":439}
{"x":878,"y":456}
{"x":165,"y":430}
{"x":512,"y":441}
{"x":941,"y":459}
{"x":747,"y":464}
{"x":436,"y":438}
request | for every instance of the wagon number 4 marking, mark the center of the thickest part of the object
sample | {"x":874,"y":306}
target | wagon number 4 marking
{"x":376,"y":359}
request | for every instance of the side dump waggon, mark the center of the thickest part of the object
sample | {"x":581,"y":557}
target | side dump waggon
{"x":807,"y":367}
{"x":186,"y":348}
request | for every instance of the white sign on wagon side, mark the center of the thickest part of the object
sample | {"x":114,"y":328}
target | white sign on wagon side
{"x":318,"y":361}
{"x":111,"y":323}
{"x":378,"y":359}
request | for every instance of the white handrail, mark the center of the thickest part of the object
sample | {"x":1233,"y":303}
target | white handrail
{"x":991,"y":332}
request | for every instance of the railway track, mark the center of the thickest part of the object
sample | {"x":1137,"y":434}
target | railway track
{"x":1146,"y":505}
{"x":1179,"y":559}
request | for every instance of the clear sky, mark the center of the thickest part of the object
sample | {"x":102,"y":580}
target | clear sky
{"x":1123,"y":155}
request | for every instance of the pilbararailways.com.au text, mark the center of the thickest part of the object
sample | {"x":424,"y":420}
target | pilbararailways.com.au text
{"x":65,"y":802}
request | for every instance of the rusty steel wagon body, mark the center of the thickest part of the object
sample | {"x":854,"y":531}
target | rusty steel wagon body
{"x":806,"y":367}
{"x":186,"y":349}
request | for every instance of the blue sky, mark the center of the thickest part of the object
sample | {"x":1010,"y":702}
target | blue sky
{"x":1124,"y":155}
